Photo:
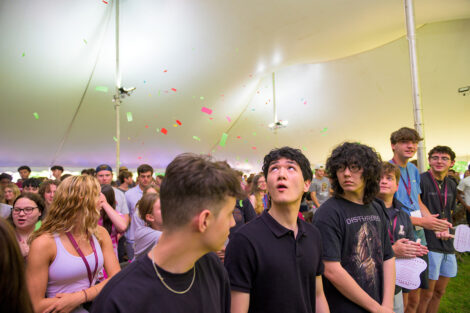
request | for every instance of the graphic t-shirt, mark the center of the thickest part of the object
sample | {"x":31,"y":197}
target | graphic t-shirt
{"x":356,"y":236}
{"x":430,"y":197}
{"x":321,"y":187}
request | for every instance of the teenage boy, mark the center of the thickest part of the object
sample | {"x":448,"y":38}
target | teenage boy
{"x":274,"y":262}
{"x":404,"y":144}
{"x":320,"y":187}
{"x":439,"y":194}
{"x":31,"y":185}
{"x":133,"y":196}
{"x":179,"y":275}
{"x":57,"y":171}
{"x":358,"y":258}
{"x":24,"y":172}
{"x":400,"y":229}
{"x":463,"y":195}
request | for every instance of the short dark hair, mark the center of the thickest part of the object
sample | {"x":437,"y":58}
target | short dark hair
{"x":405,"y":134}
{"x":144,"y":168}
{"x":290,"y":154}
{"x":88,"y":171}
{"x":32,"y":182}
{"x":57,"y":167}
{"x":24,"y":167}
{"x":6,"y":176}
{"x":390,"y":168}
{"x":444,"y":150}
{"x":364,"y":156}
{"x":193,"y":183}
{"x":123,"y":175}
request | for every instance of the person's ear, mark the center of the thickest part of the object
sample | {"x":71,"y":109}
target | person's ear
{"x":452,"y":164}
{"x":149,"y":217}
{"x":203,"y":220}
{"x":307,"y":185}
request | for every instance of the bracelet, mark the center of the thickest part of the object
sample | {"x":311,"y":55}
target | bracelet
{"x":86,"y":297}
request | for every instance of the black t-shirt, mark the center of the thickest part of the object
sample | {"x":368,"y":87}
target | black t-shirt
{"x":430,"y":197}
{"x":356,"y":236}
{"x":278,"y":271}
{"x":138,"y":289}
{"x":242,"y":214}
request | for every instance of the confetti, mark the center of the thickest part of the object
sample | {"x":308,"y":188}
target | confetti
{"x":36,"y":115}
{"x":196,"y":138}
{"x":324,"y":130}
{"x":115,"y":139}
{"x":305,"y":102}
{"x":23,"y":54}
{"x":223,"y":139}
{"x":303,"y":148}
{"x":164,"y":71}
{"x":174,"y":89}
{"x":239,"y":137}
{"x":174,"y":125}
{"x":140,"y":158}
{"x":201,"y":97}
{"x":146,"y":126}
{"x":206,"y":110}
{"x":254,"y":148}
{"x":228,"y":119}
{"x":158,"y":130}
{"x":164,"y":131}
{"x":145,"y":81}
{"x":178,"y":122}
{"x":129,"y":116}
{"x":101,"y":88}
{"x":106,"y":2}
{"x":241,"y":203}
{"x":86,"y":42}
{"x":254,"y":134}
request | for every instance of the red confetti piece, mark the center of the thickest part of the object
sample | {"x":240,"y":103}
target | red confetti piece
{"x":174,"y":89}
{"x":178,"y":122}
{"x":238,"y":137}
{"x":206,"y":110}
{"x":146,"y":126}
{"x":105,"y":2}
{"x":165,"y":71}
{"x":163,"y":130}
{"x":254,"y":148}
{"x":211,"y":118}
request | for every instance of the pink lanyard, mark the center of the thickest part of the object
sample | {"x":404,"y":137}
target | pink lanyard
{"x":77,"y":248}
{"x":407,"y":186}
{"x":443,"y":203}
{"x":390,"y":233}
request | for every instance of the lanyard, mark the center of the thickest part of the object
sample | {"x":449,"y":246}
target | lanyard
{"x":390,"y":233}
{"x":407,"y":186}
{"x":443,"y":203}
{"x":265,"y":201}
{"x":77,"y":248}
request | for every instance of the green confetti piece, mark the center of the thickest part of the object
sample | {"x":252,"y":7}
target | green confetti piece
{"x":236,"y":50}
{"x":303,"y":148}
{"x":324,"y":130}
{"x":240,"y":203}
{"x":86,"y":42}
{"x":223,"y":139}
{"x":114,"y":138}
{"x":201,"y":97}
{"x":158,"y":130}
{"x":101,"y":88}
{"x":23,"y":54}
{"x":196,"y":138}
{"x":246,"y":160}
{"x":254,"y":134}
{"x":36,"y":115}
{"x":129,"y":116}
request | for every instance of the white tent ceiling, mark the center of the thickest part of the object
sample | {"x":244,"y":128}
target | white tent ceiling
{"x":342,"y":73}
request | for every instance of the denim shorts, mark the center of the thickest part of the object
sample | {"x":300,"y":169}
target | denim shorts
{"x":442,"y":264}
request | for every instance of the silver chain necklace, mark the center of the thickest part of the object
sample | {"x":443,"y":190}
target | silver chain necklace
{"x":168,"y":287}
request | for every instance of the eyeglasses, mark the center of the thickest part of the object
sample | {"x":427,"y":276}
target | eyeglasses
{"x":436,"y":158}
{"x":353,"y":168}
{"x":26,"y":211}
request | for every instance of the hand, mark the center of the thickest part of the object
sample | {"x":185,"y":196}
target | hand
{"x":431,"y":222}
{"x":66,"y":303}
{"x":404,"y":249}
{"x":384,"y":309}
{"x":421,"y":250}
{"x":102,"y":202}
{"x":445,"y":235}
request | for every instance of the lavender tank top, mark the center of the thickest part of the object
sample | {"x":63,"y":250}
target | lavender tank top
{"x":68,"y":273}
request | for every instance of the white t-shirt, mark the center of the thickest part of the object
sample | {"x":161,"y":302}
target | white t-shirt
{"x":464,"y":186}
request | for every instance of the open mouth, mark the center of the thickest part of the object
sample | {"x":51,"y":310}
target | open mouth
{"x":281,"y":187}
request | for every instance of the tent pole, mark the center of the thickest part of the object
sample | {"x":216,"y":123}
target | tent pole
{"x":274,"y":99}
{"x":117,"y":98}
{"x":417,"y":106}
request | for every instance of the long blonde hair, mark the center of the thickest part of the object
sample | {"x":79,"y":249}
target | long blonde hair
{"x":259,"y":206}
{"x":75,"y":204}
{"x":16,"y":192}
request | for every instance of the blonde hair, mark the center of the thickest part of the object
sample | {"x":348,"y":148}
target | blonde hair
{"x":259,"y":206}
{"x":16,"y":192}
{"x":75,"y":204}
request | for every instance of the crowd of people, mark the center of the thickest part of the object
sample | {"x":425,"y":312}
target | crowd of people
{"x":207,"y":238}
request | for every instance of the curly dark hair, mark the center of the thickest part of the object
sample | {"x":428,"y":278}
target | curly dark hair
{"x":364,"y":156}
{"x":443,"y":150}
{"x":290,"y":154}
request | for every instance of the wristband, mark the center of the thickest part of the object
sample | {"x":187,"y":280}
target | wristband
{"x":86,"y":297}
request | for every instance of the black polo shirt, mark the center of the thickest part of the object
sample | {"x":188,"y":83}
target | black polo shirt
{"x":278,"y":271}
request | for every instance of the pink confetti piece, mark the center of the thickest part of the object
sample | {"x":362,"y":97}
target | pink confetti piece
{"x":206,"y":110}
{"x":254,"y":148}
{"x":228,"y":119}
{"x":146,"y":126}
{"x":164,"y":131}
{"x":140,"y":158}
{"x":174,"y":89}
{"x":305,"y":102}
{"x":211,"y":118}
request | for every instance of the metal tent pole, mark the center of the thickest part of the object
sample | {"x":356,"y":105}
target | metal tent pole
{"x":417,"y":107}
{"x":117,"y":98}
